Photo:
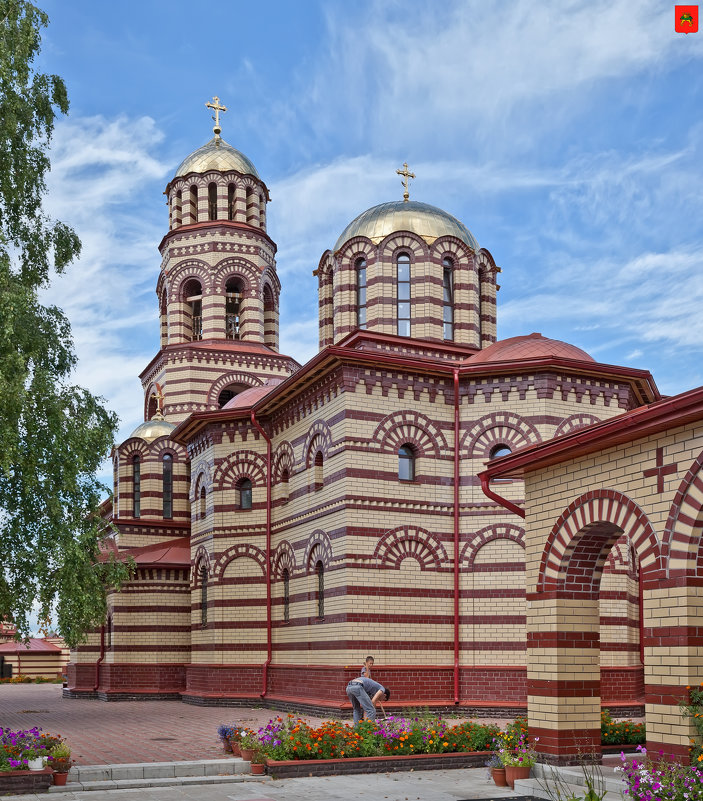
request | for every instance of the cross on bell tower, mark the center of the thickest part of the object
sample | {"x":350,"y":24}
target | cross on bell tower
{"x":217,"y":108}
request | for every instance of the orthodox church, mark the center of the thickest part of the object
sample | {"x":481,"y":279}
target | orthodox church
{"x":285,"y":520}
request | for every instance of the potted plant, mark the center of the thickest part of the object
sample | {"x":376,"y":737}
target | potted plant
{"x":518,"y":760}
{"x":223,"y":734}
{"x":234,"y":733}
{"x":61,"y":762}
{"x":248,"y":741}
{"x":496,"y":770}
{"x":34,"y":752}
{"x":258,"y":761}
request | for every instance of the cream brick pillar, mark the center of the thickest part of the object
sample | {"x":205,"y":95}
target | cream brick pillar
{"x":563,"y":674}
{"x":221,"y":200}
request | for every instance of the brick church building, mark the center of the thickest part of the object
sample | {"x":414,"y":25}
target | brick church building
{"x":285,"y":520}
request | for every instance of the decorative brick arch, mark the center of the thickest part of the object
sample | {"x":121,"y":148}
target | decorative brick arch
{"x":353,"y":249}
{"x":201,"y":558}
{"x":234,"y":377}
{"x":410,"y":541}
{"x":486,"y":265}
{"x":410,"y":427}
{"x":580,"y":541}
{"x":684,"y":525}
{"x":283,"y":459}
{"x":319,"y":438}
{"x":404,"y":242}
{"x":134,"y":446}
{"x":235,"y":267}
{"x":238,"y":465}
{"x":318,"y":547}
{"x":162,"y":445}
{"x":184,"y":271}
{"x":622,"y":558}
{"x":496,"y":531}
{"x":574,"y":422}
{"x":452,"y":247}
{"x":239,"y":552}
{"x":201,"y":477}
{"x":283,"y":559}
{"x":498,"y":428}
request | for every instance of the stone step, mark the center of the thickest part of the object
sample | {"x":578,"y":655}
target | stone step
{"x":565,"y":791}
{"x":564,"y":782}
{"x":155,"y":774}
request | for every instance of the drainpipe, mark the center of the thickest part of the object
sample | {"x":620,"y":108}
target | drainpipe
{"x":269,"y":647}
{"x":456,"y":535}
{"x":504,"y":502}
{"x":100,"y":658}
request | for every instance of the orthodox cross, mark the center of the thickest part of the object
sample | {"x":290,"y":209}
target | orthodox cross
{"x":660,"y":470}
{"x":159,"y":395}
{"x":406,"y":183}
{"x":217,"y":108}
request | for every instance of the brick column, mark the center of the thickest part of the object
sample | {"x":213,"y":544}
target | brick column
{"x":563,"y":675}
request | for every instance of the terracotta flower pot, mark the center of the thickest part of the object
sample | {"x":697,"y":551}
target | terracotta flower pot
{"x":236,"y":750}
{"x":258,"y":769}
{"x":60,"y":779}
{"x":247,"y":753}
{"x":226,"y":745}
{"x":499,"y":777}
{"x":513,"y":772}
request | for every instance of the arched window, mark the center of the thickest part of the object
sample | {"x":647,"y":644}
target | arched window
{"x":481,"y":305}
{"x":212,"y":201}
{"x":320,"y":570}
{"x":231,"y":200}
{"x":319,"y":477}
{"x":448,"y":298}
{"x":285,"y":476}
{"x":167,"y":484}
{"x":361,"y":293}
{"x":178,"y":219}
{"x":136,"y":486}
{"x":203,"y":503}
{"x":193,"y":293}
{"x":193,"y":204}
{"x":403,"y":294}
{"x":233,"y":302}
{"x":286,"y":595}
{"x":406,"y":463}
{"x":499,"y":450}
{"x":245,"y":494}
{"x":203,"y":596}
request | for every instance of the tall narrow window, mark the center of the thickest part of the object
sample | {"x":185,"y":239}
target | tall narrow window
{"x":179,"y":208}
{"x":193,"y":204}
{"x":481,"y":285}
{"x":203,"y":596}
{"x":203,"y":503}
{"x":231,"y":200}
{"x":319,"y":477}
{"x":233,"y":301}
{"x":286,"y":596}
{"x":212,"y":201}
{"x":361,"y":293}
{"x":136,"y":486}
{"x":167,"y":485}
{"x":406,"y":463}
{"x":403,"y":293}
{"x":448,"y":298}
{"x":193,"y":293}
{"x":245,"y":494}
{"x":285,"y":476}
{"x":320,"y":570}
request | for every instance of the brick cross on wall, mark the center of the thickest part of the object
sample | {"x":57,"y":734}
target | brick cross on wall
{"x":660,"y":470}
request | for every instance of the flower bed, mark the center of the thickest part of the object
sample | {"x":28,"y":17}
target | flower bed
{"x":20,"y":782}
{"x":648,"y":779}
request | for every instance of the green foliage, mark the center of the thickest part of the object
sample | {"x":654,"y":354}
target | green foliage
{"x":692,"y":707}
{"x":53,"y":436}
{"x":622,"y":732}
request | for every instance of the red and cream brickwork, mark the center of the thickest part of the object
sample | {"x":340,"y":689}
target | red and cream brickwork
{"x":296,"y":541}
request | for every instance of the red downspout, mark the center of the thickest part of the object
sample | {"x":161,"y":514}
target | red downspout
{"x":269,"y":647}
{"x":456,"y":535}
{"x":504,"y":502}
{"x":100,"y":658}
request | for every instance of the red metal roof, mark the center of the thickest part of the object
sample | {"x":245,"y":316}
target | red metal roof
{"x":35,"y":644}
{"x":172,"y":553}
{"x":250,"y":396}
{"x":531,"y":346}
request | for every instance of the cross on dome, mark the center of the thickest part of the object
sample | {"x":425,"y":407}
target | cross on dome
{"x":217,"y":108}
{"x":406,"y":183}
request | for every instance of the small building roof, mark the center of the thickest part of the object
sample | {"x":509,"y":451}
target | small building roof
{"x":35,"y":645}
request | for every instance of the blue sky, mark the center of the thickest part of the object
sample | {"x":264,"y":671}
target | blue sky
{"x":567,"y":136}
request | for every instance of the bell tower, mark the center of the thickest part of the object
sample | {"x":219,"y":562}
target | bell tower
{"x":218,"y":291}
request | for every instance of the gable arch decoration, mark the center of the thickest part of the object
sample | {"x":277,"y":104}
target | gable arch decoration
{"x":246,"y":551}
{"x":192,"y":269}
{"x":238,"y":465}
{"x":575,"y":421}
{"x":283,"y":559}
{"x":498,"y":428}
{"x":317,"y":549}
{"x":200,"y":559}
{"x":318,"y":439}
{"x":496,"y":531}
{"x":233,"y":377}
{"x":410,"y":542}
{"x":413,"y":428}
{"x":683,"y":543}
{"x":283,"y":459}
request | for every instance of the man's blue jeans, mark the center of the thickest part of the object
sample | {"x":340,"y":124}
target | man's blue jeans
{"x":360,"y":701}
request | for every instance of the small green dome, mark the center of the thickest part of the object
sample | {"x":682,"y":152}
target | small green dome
{"x":216,"y":155}
{"x":426,"y":221}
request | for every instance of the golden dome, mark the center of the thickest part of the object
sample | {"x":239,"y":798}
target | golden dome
{"x":216,"y":155}
{"x":426,"y":221}
{"x":153,"y":429}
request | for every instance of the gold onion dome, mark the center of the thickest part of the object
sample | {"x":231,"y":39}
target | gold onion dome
{"x":216,"y":155}
{"x":426,"y":221}
{"x":153,"y":429}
